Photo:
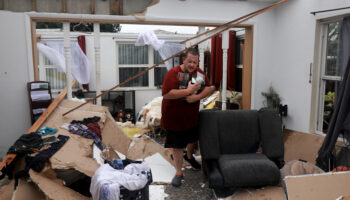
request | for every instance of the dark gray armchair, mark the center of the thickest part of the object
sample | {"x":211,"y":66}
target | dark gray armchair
{"x":229,"y":141}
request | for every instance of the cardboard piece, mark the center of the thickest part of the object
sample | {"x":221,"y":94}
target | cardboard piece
{"x":319,"y":186}
{"x":162,"y":170}
{"x":28,"y":191}
{"x":299,"y":145}
{"x":81,"y":159}
{"x":145,"y":146}
{"x":6,"y":190}
{"x":52,"y":187}
{"x":266,"y":193}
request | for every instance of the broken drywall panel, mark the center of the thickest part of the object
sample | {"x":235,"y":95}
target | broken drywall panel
{"x":145,"y":146}
{"x":53,"y":188}
{"x":113,"y":136}
{"x":157,"y":192}
{"x":318,"y":186}
{"x":162,"y":170}
{"x":87,"y":107}
{"x":265,"y":193}
{"x":303,"y":146}
{"x":28,"y":191}
{"x":76,"y":153}
{"x":56,"y":120}
{"x":6,"y":189}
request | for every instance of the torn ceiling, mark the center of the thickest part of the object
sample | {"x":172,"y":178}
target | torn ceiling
{"x":102,"y":7}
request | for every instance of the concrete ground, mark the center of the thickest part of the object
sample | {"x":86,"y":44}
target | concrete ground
{"x":194,"y":186}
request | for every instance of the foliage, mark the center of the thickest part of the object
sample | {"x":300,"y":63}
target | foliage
{"x":273,"y":99}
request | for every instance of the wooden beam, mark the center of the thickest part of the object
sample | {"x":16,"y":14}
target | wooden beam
{"x":34,"y":8}
{"x":10,"y":157}
{"x":92,"y":6}
{"x":110,"y":21}
{"x":114,"y":7}
{"x":64,"y":6}
{"x":34,"y":50}
{"x":247,"y":68}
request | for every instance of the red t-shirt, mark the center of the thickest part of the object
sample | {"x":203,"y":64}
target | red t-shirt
{"x":178,"y":114}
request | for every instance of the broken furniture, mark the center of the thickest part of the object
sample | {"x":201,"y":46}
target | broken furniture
{"x":39,"y":94}
{"x":229,"y":141}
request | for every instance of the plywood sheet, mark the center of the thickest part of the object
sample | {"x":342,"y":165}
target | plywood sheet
{"x":299,"y":145}
{"x":28,"y":191}
{"x":265,"y":193}
{"x":113,"y":136}
{"x":145,"y":146}
{"x":321,"y":186}
{"x":53,"y":188}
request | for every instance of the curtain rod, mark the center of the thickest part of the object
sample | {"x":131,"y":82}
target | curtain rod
{"x":321,"y":11}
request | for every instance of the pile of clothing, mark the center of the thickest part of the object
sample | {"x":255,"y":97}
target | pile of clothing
{"x":113,"y":177}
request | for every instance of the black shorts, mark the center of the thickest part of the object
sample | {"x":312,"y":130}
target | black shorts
{"x":180,"y":139}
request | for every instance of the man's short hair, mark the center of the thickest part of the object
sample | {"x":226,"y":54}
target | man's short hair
{"x":192,"y":51}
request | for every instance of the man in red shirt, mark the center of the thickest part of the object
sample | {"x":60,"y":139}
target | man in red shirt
{"x":180,"y":109}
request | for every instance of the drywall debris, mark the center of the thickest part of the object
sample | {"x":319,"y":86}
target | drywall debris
{"x":318,"y":186}
{"x":156,"y":192}
{"x":162,"y":170}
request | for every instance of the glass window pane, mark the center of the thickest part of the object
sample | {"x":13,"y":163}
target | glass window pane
{"x":127,"y":72}
{"x":157,"y":59}
{"x":131,"y":54}
{"x":159,"y":73}
{"x":239,"y":51}
{"x":329,"y":100}
{"x":57,"y":79}
{"x":333,"y":48}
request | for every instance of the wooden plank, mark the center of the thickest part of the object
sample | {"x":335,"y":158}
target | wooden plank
{"x":92,"y":6}
{"x":118,"y":21}
{"x":64,"y":6}
{"x":34,"y":50}
{"x":10,"y":157}
{"x":34,"y":8}
{"x":247,"y":68}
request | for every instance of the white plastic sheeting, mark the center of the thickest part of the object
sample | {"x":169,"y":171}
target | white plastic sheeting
{"x":80,"y":65}
{"x":165,"y":50}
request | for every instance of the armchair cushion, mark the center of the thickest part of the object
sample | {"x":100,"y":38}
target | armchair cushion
{"x":248,"y":170}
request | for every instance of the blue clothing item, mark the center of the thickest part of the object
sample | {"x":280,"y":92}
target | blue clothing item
{"x":104,"y":192}
{"x":84,"y":131}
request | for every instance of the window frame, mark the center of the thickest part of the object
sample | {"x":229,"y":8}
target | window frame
{"x":322,"y":77}
{"x":151,"y":73}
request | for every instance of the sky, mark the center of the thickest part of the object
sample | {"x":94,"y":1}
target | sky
{"x":131,"y":28}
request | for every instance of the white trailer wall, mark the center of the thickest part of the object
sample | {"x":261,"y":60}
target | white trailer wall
{"x":15,"y":72}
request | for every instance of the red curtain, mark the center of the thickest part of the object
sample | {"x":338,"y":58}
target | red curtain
{"x":216,"y":61}
{"x":82,"y":44}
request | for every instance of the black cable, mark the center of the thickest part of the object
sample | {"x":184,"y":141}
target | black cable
{"x":321,"y":11}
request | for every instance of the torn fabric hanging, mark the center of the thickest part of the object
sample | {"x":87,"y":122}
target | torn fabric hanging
{"x":80,"y":65}
{"x":165,"y":50}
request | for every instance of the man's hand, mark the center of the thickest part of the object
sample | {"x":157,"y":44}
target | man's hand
{"x":193,"y":98}
{"x":192,"y":88}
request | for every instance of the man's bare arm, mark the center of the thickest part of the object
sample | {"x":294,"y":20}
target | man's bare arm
{"x":179,"y":93}
{"x":196,"y":97}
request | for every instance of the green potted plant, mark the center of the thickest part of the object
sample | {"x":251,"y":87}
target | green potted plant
{"x":273,"y":99}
